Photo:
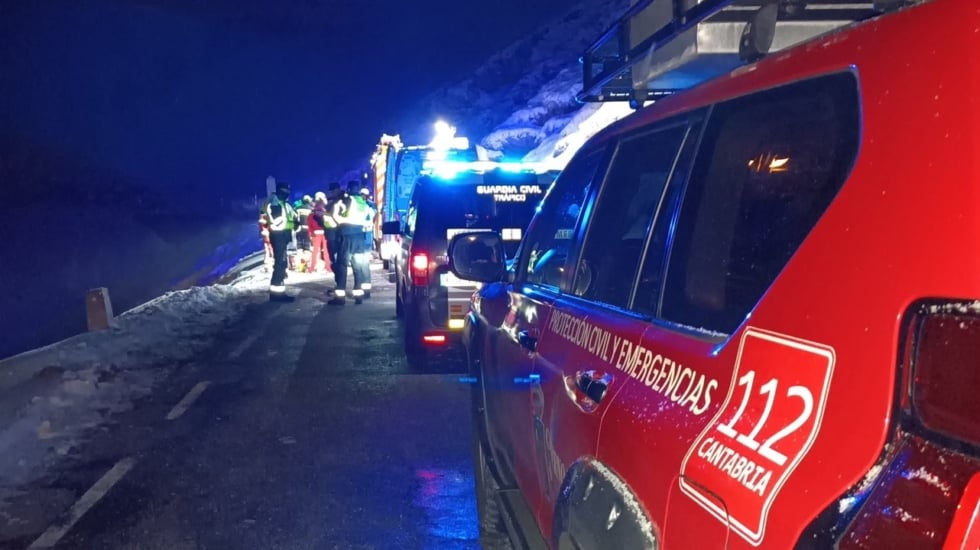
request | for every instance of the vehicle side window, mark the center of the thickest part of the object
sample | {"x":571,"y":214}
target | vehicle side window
{"x":618,"y":228}
{"x":550,"y":235}
{"x":413,"y":212}
{"x":410,"y":220}
{"x":767,"y":169}
{"x":649,"y":287}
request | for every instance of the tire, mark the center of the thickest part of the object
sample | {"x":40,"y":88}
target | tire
{"x":399,"y":305}
{"x":417,"y":360}
{"x":414,"y":352}
{"x":413,"y":335}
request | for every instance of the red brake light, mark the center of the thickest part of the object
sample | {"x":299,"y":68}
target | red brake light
{"x":434,"y":339}
{"x":946,"y":373}
{"x":420,"y":269}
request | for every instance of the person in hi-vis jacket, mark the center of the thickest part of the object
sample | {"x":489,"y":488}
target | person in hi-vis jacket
{"x":352,"y":215}
{"x":280,"y":218}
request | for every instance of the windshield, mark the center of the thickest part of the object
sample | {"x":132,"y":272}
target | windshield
{"x":504,"y":204}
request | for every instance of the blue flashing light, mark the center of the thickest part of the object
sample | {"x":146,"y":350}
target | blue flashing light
{"x":513,"y":167}
{"x":448,"y":168}
{"x":445,"y":172}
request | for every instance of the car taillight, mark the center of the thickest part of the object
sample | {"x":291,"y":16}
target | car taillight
{"x":935,"y":451}
{"x":434,"y":339}
{"x":420,"y":269}
{"x":946,"y":373}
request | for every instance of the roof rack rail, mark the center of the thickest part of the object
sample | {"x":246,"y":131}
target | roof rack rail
{"x":659,"y":47}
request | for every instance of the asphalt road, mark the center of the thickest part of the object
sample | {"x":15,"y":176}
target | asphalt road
{"x":303,"y":427}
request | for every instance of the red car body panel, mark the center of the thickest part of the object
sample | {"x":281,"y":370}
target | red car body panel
{"x":570,"y":418}
{"x":804,"y":390}
{"x":878,"y":268}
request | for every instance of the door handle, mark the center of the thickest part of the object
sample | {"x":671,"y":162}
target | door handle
{"x":593,"y":384}
{"x":528,"y":339}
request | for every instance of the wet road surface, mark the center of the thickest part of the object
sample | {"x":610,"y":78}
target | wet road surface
{"x":302,"y":428}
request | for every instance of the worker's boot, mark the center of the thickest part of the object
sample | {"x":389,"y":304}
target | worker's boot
{"x":339,"y":298}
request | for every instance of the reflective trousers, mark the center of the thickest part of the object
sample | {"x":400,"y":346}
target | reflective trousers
{"x":354,"y":252}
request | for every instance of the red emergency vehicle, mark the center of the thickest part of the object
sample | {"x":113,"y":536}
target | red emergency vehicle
{"x":747,"y":316}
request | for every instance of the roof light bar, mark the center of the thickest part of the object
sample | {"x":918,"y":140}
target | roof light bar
{"x":632,"y":62}
{"x":451,"y":168}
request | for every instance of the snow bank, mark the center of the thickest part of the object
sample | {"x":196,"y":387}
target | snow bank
{"x":50,"y":397}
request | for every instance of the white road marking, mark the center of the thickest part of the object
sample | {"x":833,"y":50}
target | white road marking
{"x":188,"y":400}
{"x":55,"y":533}
{"x":247,"y":343}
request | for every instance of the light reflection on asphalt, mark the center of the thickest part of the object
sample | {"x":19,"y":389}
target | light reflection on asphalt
{"x":446,"y":496}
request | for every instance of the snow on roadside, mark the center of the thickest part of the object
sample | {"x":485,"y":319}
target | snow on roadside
{"x":49,"y":397}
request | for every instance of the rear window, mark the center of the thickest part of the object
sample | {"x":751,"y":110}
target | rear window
{"x":501,"y":202}
{"x":767,"y":169}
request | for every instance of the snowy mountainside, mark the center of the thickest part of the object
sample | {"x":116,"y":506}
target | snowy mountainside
{"x":524,"y":96}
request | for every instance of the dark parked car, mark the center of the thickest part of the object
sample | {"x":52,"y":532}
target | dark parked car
{"x":452,"y":199}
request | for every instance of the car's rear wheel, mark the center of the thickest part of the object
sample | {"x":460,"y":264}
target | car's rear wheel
{"x":417,"y":360}
{"x":399,"y":304}
{"x":413,"y":335}
{"x":414,"y":351}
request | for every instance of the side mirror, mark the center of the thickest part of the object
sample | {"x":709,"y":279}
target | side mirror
{"x":391,"y":228}
{"x":478,"y":256}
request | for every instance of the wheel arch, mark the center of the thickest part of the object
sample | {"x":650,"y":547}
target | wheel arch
{"x":596,"y":508}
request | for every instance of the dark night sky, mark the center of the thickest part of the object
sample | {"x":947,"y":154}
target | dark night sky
{"x":213,"y":95}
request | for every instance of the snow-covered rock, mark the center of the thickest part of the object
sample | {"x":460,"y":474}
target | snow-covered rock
{"x":524,"y":96}
{"x":558,"y":148}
